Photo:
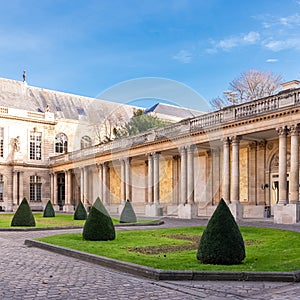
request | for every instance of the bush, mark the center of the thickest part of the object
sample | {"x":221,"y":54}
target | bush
{"x":128,"y":214}
{"x":222,"y":242}
{"x":80,"y":212}
{"x":99,"y":225}
{"x":49,"y":211}
{"x":23,"y":216}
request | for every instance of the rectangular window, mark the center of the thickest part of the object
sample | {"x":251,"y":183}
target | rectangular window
{"x":35,"y":188}
{"x":35,"y":145}
{"x":1,"y":187}
{"x":1,"y":141}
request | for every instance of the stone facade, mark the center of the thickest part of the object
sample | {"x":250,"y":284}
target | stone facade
{"x":247,"y":154}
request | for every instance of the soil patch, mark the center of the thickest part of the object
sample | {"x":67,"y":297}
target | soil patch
{"x":192,"y":245}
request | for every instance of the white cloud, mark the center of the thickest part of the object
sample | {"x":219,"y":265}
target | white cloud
{"x":234,"y":41}
{"x":278,"y":45}
{"x":291,"y":21}
{"x":252,"y":37}
{"x":272,"y":60}
{"x":183,"y":56}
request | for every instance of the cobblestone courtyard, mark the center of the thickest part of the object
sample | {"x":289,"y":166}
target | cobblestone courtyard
{"x":31,"y":273}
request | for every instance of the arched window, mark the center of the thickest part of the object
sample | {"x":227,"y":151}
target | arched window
{"x":61,"y":143}
{"x":85,"y":142}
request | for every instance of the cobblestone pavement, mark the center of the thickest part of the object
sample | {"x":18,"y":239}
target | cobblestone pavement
{"x":32,"y":273}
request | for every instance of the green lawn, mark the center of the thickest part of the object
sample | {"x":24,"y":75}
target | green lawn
{"x":60,"y":220}
{"x":176,"y":248}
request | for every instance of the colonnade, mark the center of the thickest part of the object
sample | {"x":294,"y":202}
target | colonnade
{"x":228,"y":159}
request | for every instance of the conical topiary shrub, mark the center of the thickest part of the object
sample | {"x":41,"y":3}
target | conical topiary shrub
{"x":49,"y":211}
{"x":127,"y":214}
{"x":99,"y":225}
{"x":23,"y":216}
{"x":222,"y":242}
{"x":80,"y":212}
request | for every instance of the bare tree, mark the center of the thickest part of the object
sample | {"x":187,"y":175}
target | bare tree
{"x":105,"y":130}
{"x":250,"y":85}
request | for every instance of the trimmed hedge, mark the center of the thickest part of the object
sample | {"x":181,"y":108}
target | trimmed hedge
{"x":128,"y":215}
{"x":49,"y":211}
{"x":221,"y":242}
{"x":99,"y":225}
{"x":23,"y":216}
{"x":80,"y":212}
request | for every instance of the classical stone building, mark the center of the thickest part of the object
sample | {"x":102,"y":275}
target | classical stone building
{"x":247,"y":154}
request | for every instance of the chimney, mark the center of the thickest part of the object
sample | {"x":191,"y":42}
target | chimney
{"x":290,"y":85}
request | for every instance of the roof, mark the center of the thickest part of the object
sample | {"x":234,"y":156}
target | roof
{"x":172,"y":110}
{"x":17,"y":94}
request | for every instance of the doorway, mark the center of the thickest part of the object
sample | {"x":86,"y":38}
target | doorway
{"x":61,"y":190}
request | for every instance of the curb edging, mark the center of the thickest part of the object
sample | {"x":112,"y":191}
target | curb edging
{"x":157,"y":274}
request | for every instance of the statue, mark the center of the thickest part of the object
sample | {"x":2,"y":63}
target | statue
{"x":24,"y":76}
{"x":17,"y":144}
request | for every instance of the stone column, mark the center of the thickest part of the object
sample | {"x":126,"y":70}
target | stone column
{"x":127,"y":179}
{"x":105,"y":183}
{"x":82,"y":191}
{"x":252,"y":187}
{"x":100,"y":176}
{"x":226,"y":170}
{"x":260,"y":175}
{"x":150,"y":178}
{"x":294,"y":171}
{"x":282,"y":132}
{"x":51,"y":187}
{"x":190,"y":174}
{"x":15,"y":188}
{"x":153,"y":208}
{"x":235,"y":206}
{"x":21,"y":185}
{"x":156,"y":177}
{"x":235,"y":172}
{"x":86,"y":189}
{"x":183,"y":176}
{"x":187,"y":209}
{"x":215,"y":174}
{"x":123,"y":182}
{"x":68,"y":192}
{"x":284,"y":212}
{"x":55,"y":189}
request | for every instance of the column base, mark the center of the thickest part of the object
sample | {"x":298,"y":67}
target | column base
{"x":69,"y":208}
{"x":236,"y":209}
{"x":187,"y":211}
{"x":286,"y":214}
{"x":120,"y":208}
{"x":55,"y":207}
{"x":9,"y":207}
{"x":154,"y":210}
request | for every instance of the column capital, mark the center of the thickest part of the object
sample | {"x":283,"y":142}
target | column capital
{"x":293,"y":129}
{"x":182,"y":149}
{"x":225,"y":140}
{"x":235,"y":139}
{"x":262,"y":144}
{"x":282,"y":131}
{"x":155,"y":155}
{"x":191,"y":148}
{"x":252,"y":145}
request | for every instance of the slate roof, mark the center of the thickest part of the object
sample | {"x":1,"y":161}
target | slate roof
{"x":17,"y":94}
{"x":172,"y":110}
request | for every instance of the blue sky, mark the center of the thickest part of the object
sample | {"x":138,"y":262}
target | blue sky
{"x":85,"y":47}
